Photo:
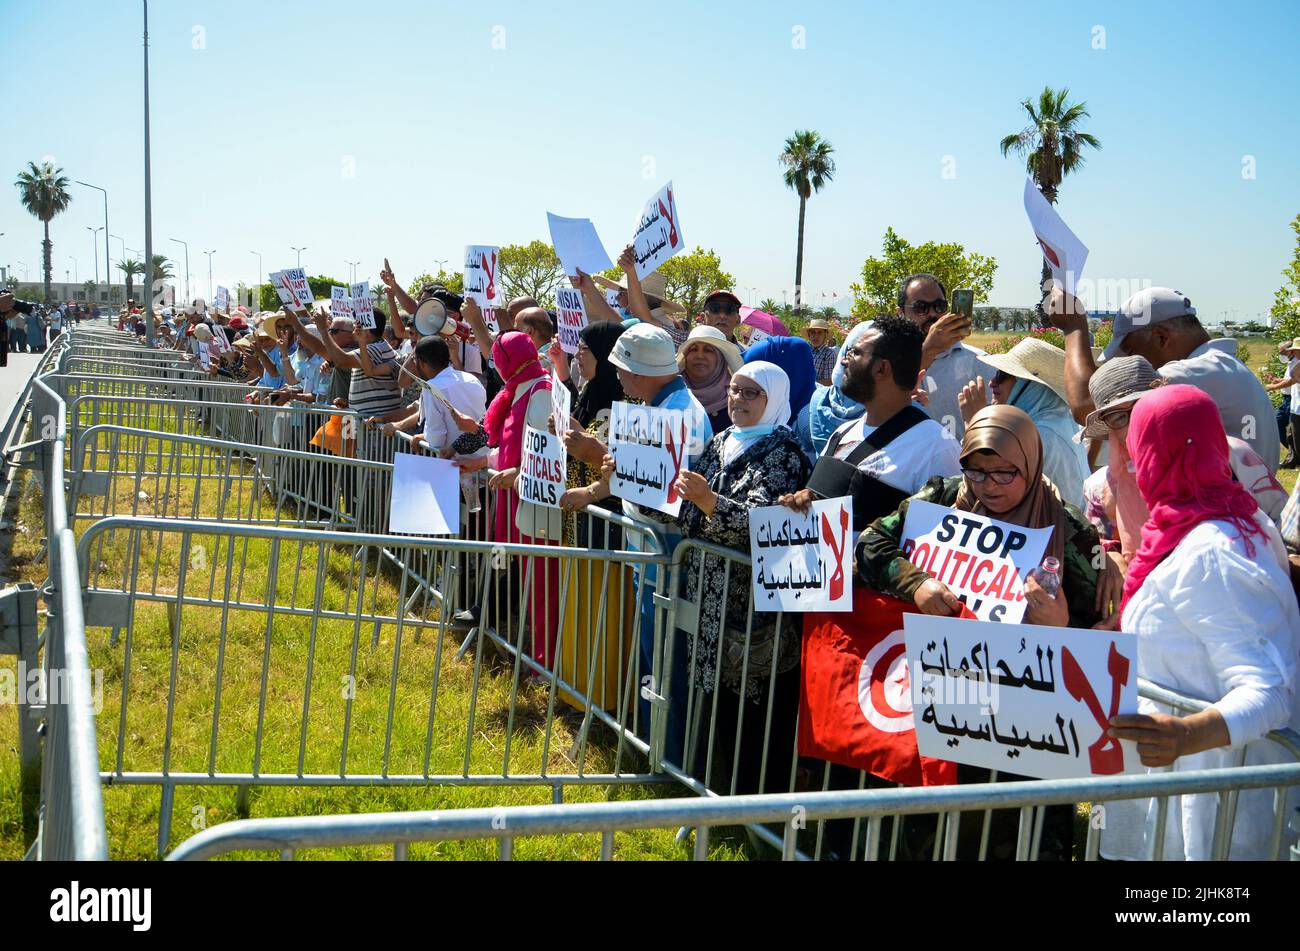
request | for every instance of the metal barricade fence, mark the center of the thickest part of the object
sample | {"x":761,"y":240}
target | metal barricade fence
{"x":228,"y":644}
{"x":515,"y":828}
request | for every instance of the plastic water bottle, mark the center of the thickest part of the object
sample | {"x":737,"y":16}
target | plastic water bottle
{"x":1048,"y":575}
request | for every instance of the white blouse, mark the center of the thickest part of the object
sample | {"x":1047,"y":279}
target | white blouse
{"x":1219,"y":625}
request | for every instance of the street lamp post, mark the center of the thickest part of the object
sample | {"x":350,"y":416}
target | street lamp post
{"x":75,"y":277}
{"x":352,"y":270}
{"x":300,"y":251}
{"x":209,"y":254}
{"x":148,"y":192}
{"x":24,"y":269}
{"x":94,"y":252}
{"x":187,"y":266}
{"x":108,"y":271}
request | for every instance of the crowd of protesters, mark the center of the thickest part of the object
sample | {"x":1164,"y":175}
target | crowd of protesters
{"x":1181,"y":535}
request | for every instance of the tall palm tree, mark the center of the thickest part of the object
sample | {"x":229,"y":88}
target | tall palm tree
{"x":808,"y":167}
{"x":1052,"y":144}
{"x":130,"y":268}
{"x":768,"y":306}
{"x":44,"y":192}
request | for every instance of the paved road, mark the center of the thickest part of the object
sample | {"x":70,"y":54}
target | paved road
{"x":14,"y":377}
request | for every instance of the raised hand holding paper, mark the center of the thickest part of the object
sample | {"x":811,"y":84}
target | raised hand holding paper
{"x":1065,"y":254}
{"x":426,"y":496}
{"x":658,"y":233}
{"x":560,"y":406}
{"x":577,"y":245}
{"x":571,"y":315}
{"x":803,"y":561}
{"x":481,"y":275}
{"x":362,"y":307}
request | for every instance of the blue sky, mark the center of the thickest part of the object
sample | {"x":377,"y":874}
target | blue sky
{"x":396,"y":128}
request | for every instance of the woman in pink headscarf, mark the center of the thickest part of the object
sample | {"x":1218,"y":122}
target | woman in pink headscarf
{"x":1209,"y":595}
{"x":525,"y":399}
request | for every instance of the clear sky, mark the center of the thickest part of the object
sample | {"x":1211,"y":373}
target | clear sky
{"x":397,"y":128}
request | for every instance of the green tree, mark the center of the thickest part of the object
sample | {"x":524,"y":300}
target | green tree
{"x":530,"y":270}
{"x":1052,"y":145}
{"x":808,"y":168}
{"x":1285,"y":312}
{"x":690,"y":278}
{"x":453,"y":282}
{"x":768,"y":305}
{"x":130,"y":268}
{"x":951,"y":263}
{"x":44,"y":193}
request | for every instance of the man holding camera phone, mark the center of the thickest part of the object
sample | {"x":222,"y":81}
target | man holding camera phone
{"x":947,"y":363}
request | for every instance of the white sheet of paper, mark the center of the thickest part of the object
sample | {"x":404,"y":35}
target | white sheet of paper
{"x":362,"y":306}
{"x":1064,"y":252}
{"x":222,"y":300}
{"x":571,"y":316}
{"x":426,"y":496}
{"x":982,"y":560}
{"x":802,"y":562}
{"x":578,"y":246}
{"x":649,"y":446}
{"x":542,"y":469}
{"x":658,"y":233}
{"x":1021,"y":698}
{"x":482,"y":274}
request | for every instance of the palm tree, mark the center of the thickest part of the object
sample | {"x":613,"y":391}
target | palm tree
{"x":130,"y":269}
{"x":808,"y":167}
{"x":44,"y":193}
{"x":768,"y":306}
{"x":1052,"y":144}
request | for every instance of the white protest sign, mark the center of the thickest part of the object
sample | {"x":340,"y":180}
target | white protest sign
{"x":490,"y":318}
{"x":284,"y":290}
{"x":222,"y":301}
{"x":295,"y":279}
{"x":560,"y":406}
{"x":658,"y":232}
{"x":1065,"y":254}
{"x":649,"y":446}
{"x":611,"y":298}
{"x":481,"y":284}
{"x":426,"y":496}
{"x":340,"y":302}
{"x":982,"y":561}
{"x":205,"y":356}
{"x":754,"y":336}
{"x":571,"y":315}
{"x":577,"y":245}
{"x":1023,"y":699}
{"x":803,"y":562}
{"x":542,"y":469}
{"x":363,"y":308}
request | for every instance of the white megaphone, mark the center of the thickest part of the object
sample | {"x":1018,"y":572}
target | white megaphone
{"x":431,"y":319}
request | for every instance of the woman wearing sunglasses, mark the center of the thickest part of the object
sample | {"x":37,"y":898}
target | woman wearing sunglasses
{"x":1002,"y":477}
{"x":751,"y":464}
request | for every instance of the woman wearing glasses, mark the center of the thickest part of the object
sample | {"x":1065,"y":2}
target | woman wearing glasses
{"x":751,"y":464}
{"x":1002,"y":477}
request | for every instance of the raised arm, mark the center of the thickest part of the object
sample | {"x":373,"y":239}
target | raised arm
{"x":333,"y":353}
{"x":1068,"y":315}
{"x":636,"y":302}
{"x":597,"y":307}
{"x":482,"y":335}
{"x":395,"y":291}
{"x":304,"y":338}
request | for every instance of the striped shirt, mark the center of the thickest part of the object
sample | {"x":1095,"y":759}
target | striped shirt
{"x":373,"y":395}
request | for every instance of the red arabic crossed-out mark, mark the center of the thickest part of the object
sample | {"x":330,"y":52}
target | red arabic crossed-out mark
{"x":828,"y":534}
{"x":669,"y":212}
{"x":1050,"y":253}
{"x":677,"y":453}
{"x":491,"y":269}
{"x":1105,"y":756}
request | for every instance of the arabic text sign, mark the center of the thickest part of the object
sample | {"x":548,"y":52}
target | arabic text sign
{"x":571,"y":316}
{"x":803,"y":562}
{"x":481,"y":275}
{"x":1064,"y":252}
{"x":658,"y":232}
{"x":577,"y":245}
{"x":426,"y":496}
{"x":541,"y":469}
{"x":982,"y":561}
{"x":363,"y":308}
{"x":340,"y":302}
{"x":649,"y":446}
{"x":1023,"y":699}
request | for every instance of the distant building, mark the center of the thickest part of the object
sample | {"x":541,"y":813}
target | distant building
{"x":60,"y":291}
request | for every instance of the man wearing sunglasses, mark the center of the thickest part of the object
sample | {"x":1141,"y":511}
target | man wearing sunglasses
{"x":722,"y":310}
{"x":949,"y":364}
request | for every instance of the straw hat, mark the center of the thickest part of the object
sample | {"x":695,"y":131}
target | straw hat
{"x":1295,"y":345}
{"x":244,"y":343}
{"x":818,"y":324}
{"x":714,"y":338}
{"x":1118,"y":382}
{"x":270,"y":325}
{"x":653,"y":284}
{"x":1035,"y":360}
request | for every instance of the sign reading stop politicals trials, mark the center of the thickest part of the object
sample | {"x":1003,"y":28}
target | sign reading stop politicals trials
{"x":340,"y":302}
{"x":571,"y":315}
{"x":802,"y":561}
{"x":363,"y":308}
{"x":481,"y":275}
{"x":542,"y":468}
{"x":649,"y":446}
{"x":1024,"y":699}
{"x":658,"y":232}
{"x":982,"y":561}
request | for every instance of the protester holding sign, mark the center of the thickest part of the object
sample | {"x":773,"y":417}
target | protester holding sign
{"x":747,"y":466}
{"x":1002,"y":478}
{"x":588,"y":435}
{"x":1209,"y":595}
{"x":374,"y":389}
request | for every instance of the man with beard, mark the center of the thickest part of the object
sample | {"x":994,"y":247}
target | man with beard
{"x":948,"y":363}
{"x":892,"y":450}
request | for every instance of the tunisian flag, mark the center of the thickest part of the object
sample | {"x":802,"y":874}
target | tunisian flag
{"x":855,"y":707}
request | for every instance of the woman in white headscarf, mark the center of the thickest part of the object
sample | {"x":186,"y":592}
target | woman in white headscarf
{"x":749,"y":465}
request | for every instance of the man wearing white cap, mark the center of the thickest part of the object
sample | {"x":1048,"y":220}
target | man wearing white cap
{"x":1160,"y":323}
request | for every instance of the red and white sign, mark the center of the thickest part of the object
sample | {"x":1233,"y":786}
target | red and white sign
{"x":363,"y":308}
{"x":482,"y":275}
{"x":1024,"y":699}
{"x":982,"y":561}
{"x":855,"y":705}
{"x":1064,"y":252}
{"x":802,"y":561}
{"x":649,"y":445}
{"x":571,"y":316}
{"x":340,"y":302}
{"x":658,"y":232}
